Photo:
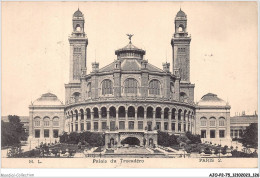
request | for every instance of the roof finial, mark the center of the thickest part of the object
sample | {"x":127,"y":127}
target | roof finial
{"x":129,"y":37}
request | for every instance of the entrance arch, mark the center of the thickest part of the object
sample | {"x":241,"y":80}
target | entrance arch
{"x":131,"y":141}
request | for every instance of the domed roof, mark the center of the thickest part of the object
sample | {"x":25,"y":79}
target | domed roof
{"x":211,"y":99}
{"x":47,"y":99}
{"x":130,"y":47}
{"x":181,"y":14}
{"x":78,"y":13}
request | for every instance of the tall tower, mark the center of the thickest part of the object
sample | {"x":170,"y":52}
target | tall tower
{"x":78,"y":48}
{"x":181,"y":47}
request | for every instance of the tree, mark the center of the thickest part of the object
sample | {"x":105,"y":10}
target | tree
{"x":193,"y":138}
{"x":12,"y":131}
{"x":250,"y":136}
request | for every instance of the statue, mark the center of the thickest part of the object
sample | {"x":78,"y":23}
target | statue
{"x":130,"y":36}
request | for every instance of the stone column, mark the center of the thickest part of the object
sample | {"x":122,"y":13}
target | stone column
{"x":135,"y":121}
{"x":91,"y":121}
{"x":99,"y":122}
{"x":182,"y":122}
{"x":162,"y":121}
{"x":154,"y":122}
{"x":145,"y":120}
{"x":85,"y":122}
{"x":126,"y":121}
{"x":108,"y":119}
{"x":177,"y":122}
{"x":187,"y":124}
{"x":79,"y":123}
{"x":170,"y":121}
{"x":117,"y":121}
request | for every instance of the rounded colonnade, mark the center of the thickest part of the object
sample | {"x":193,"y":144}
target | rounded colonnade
{"x":127,"y":117}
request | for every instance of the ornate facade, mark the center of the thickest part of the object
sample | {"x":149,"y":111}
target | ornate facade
{"x":130,"y":99}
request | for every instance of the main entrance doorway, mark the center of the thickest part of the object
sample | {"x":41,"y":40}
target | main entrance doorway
{"x":131,"y":141}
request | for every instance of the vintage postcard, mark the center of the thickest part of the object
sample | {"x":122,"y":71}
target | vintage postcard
{"x":129,"y":85}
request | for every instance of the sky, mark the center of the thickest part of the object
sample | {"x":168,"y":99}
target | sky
{"x":35,"y":47}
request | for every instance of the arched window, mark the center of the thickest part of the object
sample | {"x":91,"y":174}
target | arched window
{"x":221,"y":121}
{"x":158,"y":112}
{"x":112,"y":112}
{"x":181,"y":28}
{"x":46,"y":122}
{"x":107,"y":87}
{"x":55,"y":122}
{"x":203,"y":121}
{"x":88,"y":113}
{"x":76,"y":114}
{"x":140,"y":112}
{"x":173,"y":113}
{"x":131,"y":111}
{"x":149,"y":112}
{"x":96,"y":113}
{"x":81,"y":114}
{"x":131,"y":86}
{"x":154,"y":87}
{"x":72,"y":118}
{"x":37,"y":122}
{"x":185,"y":115}
{"x":183,"y":97}
{"x":212,"y":121}
{"x":76,"y":96}
{"x":166,"y":113}
{"x":103,"y":112}
{"x":78,"y":29}
{"x":89,"y":90}
{"x":179,"y":114}
{"x":121,"y":111}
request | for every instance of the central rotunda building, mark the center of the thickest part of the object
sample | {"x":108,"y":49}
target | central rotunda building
{"x":130,"y":99}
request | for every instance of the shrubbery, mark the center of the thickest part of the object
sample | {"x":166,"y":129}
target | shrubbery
{"x":165,"y":139}
{"x":84,"y":138}
{"x":194,"y":139}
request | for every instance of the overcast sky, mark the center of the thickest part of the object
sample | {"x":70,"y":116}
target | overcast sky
{"x":35,"y":47}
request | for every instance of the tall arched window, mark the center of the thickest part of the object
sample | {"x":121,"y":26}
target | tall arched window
{"x":88,"y":113}
{"x":140,"y":112}
{"x":76,"y":97}
{"x":149,"y":112}
{"x":37,"y":122}
{"x":158,"y":112}
{"x":183,"y":97}
{"x":46,"y":122}
{"x":95,"y":110}
{"x":131,"y":86}
{"x":154,"y":87}
{"x":203,"y":121}
{"x":103,"y":112}
{"x":221,"y":121}
{"x":121,"y":111}
{"x":55,"y":122}
{"x":212,"y":121}
{"x":107,"y":87}
{"x":131,"y":111}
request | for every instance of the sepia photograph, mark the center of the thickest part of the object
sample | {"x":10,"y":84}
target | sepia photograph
{"x":129,"y":85}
